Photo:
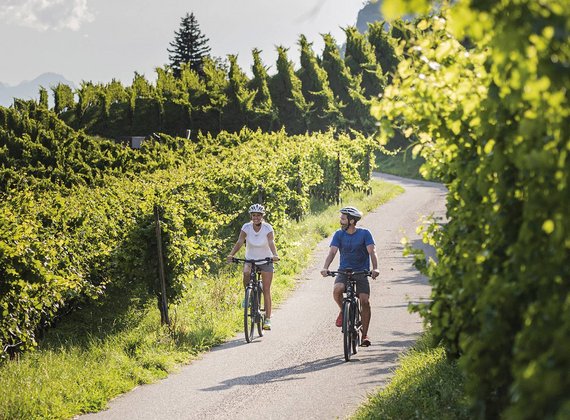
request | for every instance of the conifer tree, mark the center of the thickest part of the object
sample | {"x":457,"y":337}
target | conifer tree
{"x":63,"y":98}
{"x":43,"y":97}
{"x":287,"y":95}
{"x":316,"y":89}
{"x":117,"y":110}
{"x":360,"y":59}
{"x":383,"y":49}
{"x":189,"y":46}
{"x":346,"y":88}
{"x":240,"y":98}
{"x":215,"y":78}
{"x":265,"y":113}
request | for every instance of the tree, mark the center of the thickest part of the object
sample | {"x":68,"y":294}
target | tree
{"x":360,"y":59}
{"x":265,"y":112}
{"x":287,"y":95}
{"x":240,"y":108}
{"x":316,"y":89}
{"x":189,"y":46}
{"x":346,"y":88}
{"x":63,"y":98}
{"x":384,"y":50}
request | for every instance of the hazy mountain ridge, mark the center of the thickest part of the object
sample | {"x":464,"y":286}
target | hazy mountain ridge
{"x":29,"y":89}
{"x":368,"y":14}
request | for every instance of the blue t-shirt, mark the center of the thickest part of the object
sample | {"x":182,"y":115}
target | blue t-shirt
{"x":352,"y":247}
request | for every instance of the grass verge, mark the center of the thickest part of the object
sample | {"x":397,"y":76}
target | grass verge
{"x":108,"y":348}
{"x":425,"y":386}
{"x":401,"y":164}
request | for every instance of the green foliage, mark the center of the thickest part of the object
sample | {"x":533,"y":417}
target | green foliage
{"x":265,"y":112}
{"x":63,"y":98}
{"x":360,"y":59}
{"x":493,"y":123}
{"x":240,"y":109}
{"x":77,"y":212}
{"x":384,"y":49}
{"x":287,"y":96}
{"x":346,"y":88}
{"x":325,"y":112}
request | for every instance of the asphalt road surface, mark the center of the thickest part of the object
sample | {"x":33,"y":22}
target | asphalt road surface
{"x":297,"y":370}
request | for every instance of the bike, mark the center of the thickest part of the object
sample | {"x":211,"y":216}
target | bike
{"x":351,"y":312}
{"x":252,"y":310}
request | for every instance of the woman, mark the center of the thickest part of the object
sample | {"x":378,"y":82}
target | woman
{"x":260,"y":243}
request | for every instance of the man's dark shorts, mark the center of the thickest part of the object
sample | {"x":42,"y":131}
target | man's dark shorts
{"x":362,"y":283}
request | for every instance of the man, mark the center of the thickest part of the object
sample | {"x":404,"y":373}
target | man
{"x":357,"y":250}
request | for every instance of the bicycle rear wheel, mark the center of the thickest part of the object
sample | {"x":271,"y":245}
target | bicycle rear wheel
{"x":248,"y":315}
{"x":347,"y":329}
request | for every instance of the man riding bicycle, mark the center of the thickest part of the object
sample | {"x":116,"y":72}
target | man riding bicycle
{"x":357,"y":250}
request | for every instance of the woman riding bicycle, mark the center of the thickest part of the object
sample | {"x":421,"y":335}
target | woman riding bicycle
{"x":259,"y":238}
{"x":357,"y":249}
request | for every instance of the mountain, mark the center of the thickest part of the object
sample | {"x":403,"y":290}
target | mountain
{"x":30,"y":89}
{"x":368,"y":14}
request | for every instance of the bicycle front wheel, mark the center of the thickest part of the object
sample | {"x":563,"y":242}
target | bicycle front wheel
{"x":248,"y":316}
{"x":347,"y":329}
{"x":258,"y":314}
{"x":357,"y":326}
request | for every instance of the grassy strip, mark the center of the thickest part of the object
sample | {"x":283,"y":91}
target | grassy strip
{"x":402,"y":164}
{"x":107,"y":349}
{"x":425,"y":386}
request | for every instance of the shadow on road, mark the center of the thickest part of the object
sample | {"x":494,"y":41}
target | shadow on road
{"x":284,"y":374}
{"x":385,"y":352}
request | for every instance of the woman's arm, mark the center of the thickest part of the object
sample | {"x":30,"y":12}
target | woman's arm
{"x":271,"y":242}
{"x":237,"y":246}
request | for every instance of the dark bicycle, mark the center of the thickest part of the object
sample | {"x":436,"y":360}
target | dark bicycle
{"x":351,"y":312}
{"x":252,"y":310}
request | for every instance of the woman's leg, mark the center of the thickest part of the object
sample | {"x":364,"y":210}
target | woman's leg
{"x":267,"y":278}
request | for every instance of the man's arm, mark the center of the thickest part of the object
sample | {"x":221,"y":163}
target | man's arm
{"x":374,"y":259}
{"x":330,"y":257}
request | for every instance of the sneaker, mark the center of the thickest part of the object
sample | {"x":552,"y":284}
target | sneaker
{"x":365,"y":341}
{"x":267,"y":324}
{"x":338,"y":321}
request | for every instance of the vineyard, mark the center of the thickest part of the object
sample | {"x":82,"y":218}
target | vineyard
{"x":479,"y":90}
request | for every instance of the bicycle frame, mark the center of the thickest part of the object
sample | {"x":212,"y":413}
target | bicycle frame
{"x":253,"y":292}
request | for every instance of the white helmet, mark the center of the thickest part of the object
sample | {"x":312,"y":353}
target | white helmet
{"x":257,"y":208}
{"x":352,"y":212}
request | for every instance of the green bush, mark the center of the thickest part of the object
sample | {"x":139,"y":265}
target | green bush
{"x":492,"y":122}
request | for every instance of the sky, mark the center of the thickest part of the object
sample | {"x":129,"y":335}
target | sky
{"x":98,"y":40}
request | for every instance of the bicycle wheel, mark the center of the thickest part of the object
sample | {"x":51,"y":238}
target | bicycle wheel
{"x":347,"y":329}
{"x":258,"y":314}
{"x":357,"y":326}
{"x":248,"y":319}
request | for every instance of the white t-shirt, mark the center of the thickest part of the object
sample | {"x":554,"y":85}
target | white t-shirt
{"x":257,"y":243}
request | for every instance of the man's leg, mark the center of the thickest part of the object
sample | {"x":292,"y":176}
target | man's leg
{"x":338,"y":290}
{"x":366,"y":313}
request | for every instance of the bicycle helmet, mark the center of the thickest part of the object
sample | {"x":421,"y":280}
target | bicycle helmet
{"x":352,"y":212}
{"x":257,"y":208}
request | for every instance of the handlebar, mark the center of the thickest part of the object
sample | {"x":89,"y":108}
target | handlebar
{"x":263,"y":260}
{"x":368,"y":273}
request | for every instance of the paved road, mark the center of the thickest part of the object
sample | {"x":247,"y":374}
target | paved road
{"x":299,"y":369}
